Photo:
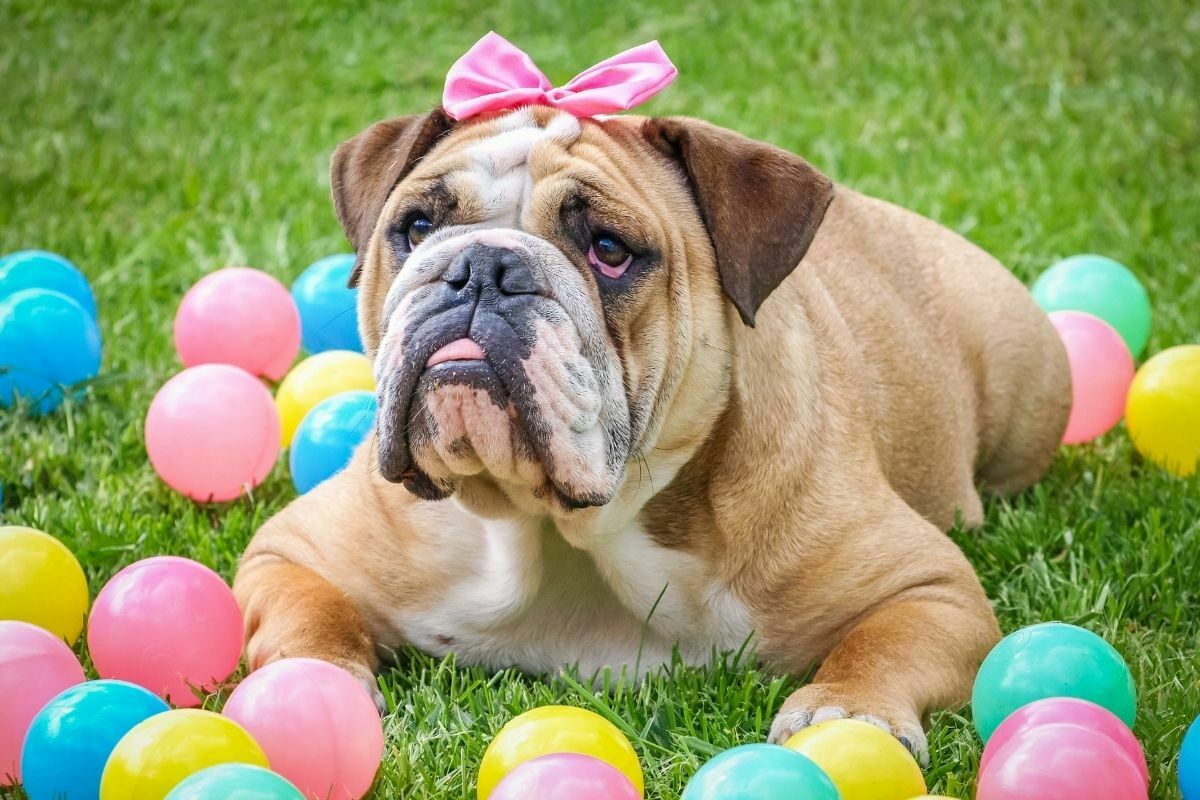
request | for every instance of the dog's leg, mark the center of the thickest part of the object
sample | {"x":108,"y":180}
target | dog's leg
{"x":913,"y":649}
{"x":291,"y":611}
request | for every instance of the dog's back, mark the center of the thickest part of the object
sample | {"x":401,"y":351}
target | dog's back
{"x":962,"y":394}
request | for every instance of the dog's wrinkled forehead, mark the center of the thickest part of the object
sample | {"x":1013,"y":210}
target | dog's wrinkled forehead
{"x":489,"y":163}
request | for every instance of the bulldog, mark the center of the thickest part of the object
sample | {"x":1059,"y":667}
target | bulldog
{"x":647,"y":384}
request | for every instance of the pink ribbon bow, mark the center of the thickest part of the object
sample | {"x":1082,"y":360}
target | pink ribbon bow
{"x":496,"y":75}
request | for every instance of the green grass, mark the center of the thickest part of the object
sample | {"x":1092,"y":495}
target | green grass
{"x":153,"y":142}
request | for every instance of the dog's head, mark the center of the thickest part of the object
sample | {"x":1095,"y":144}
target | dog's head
{"x":535,"y":288}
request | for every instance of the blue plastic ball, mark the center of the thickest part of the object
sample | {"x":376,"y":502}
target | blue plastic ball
{"x":47,"y":341}
{"x":235,"y":782}
{"x":39,"y":269}
{"x":328,"y":306}
{"x":760,"y":772}
{"x":328,"y":436}
{"x":1189,"y":763}
{"x":69,"y":741}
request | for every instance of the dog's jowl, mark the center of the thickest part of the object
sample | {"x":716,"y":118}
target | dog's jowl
{"x":647,"y":383}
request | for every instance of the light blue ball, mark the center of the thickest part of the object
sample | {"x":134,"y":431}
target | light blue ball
{"x":39,"y":269}
{"x":328,"y":436}
{"x":760,"y":772}
{"x":69,"y":741}
{"x":47,"y":341}
{"x":235,"y":782}
{"x":1189,"y":763}
{"x":328,"y":306}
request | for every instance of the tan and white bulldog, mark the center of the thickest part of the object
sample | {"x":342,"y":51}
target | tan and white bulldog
{"x":646,"y":383}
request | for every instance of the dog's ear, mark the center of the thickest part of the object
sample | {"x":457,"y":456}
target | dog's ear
{"x":365,"y":169}
{"x":762,"y":205}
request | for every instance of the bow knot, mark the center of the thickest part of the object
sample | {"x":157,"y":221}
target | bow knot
{"x":496,"y":75}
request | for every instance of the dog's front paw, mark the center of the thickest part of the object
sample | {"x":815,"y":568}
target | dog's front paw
{"x":818,"y":703}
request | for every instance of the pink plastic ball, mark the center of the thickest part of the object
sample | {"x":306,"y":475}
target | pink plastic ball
{"x":242,"y":317}
{"x":316,"y":723}
{"x":167,"y":624}
{"x":565,"y":776}
{"x":1101,"y":372}
{"x":34,"y":668}
{"x":1066,"y":711}
{"x":212,"y":432}
{"x":1061,"y":762}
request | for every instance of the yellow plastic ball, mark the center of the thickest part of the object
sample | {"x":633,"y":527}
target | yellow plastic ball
{"x":316,"y":378}
{"x":557,"y":729}
{"x":1163,"y":409}
{"x":159,"y":753}
{"x":41,"y":582}
{"x":863,"y":761}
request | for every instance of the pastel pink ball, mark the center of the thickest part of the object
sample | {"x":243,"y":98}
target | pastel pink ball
{"x":212,"y":432}
{"x":565,"y":776}
{"x":34,"y":668}
{"x":316,"y":723}
{"x":1066,"y":711}
{"x":167,"y":624}
{"x":1061,"y":762}
{"x":242,"y":317}
{"x":1101,"y":373}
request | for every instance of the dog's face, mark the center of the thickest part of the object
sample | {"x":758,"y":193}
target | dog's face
{"x":537,"y":289}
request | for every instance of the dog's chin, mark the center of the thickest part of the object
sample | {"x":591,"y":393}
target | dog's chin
{"x":463,"y":424}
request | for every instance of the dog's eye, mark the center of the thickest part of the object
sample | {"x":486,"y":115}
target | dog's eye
{"x":609,"y":255}
{"x":419,"y":228}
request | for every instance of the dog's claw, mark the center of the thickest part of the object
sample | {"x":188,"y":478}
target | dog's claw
{"x":798,"y":714}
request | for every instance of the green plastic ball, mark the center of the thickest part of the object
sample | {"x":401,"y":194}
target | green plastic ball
{"x":1051,"y":660}
{"x":1101,"y":287}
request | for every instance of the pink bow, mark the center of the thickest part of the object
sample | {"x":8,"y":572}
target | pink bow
{"x":496,"y":75}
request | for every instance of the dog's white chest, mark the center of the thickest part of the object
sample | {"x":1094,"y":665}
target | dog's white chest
{"x":530,"y":600}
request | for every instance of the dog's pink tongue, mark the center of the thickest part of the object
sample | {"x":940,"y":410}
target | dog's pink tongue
{"x":458,"y":350}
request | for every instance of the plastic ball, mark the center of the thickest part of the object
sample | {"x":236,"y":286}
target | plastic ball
{"x":70,"y":740}
{"x":212,"y":432}
{"x":1052,"y":659}
{"x":316,"y":723}
{"x":34,"y":667}
{"x":1101,"y":372}
{"x":328,"y":306}
{"x":565,"y":776}
{"x":47,"y":341}
{"x":557,"y":729}
{"x":235,"y":782}
{"x":1163,"y":410}
{"x":760,"y":772}
{"x":39,"y":269}
{"x":864,"y":762}
{"x":239,"y":316}
{"x":161,"y":752}
{"x":328,"y":436}
{"x":1102,"y":287}
{"x":1061,"y":762}
{"x":1189,"y":763}
{"x":167,"y":624}
{"x":1066,"y":711}
{"x":316,"y":378}
{"x":41,"y":582}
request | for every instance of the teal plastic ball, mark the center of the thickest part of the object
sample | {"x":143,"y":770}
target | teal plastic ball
{"x":69,"y":741}
{"x":760,"y":772}
{"x":1052,"y":659}
{"x":1189,"y":763}
{"x":235,"y":782}
{"x":1101,"y":287}
{"x":47,"y":342}
{"x":328,"y":436}
{"x":40,"y":269}
{"x":328,"y":305}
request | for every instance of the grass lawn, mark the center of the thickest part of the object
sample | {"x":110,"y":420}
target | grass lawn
{"x":153,"y":142}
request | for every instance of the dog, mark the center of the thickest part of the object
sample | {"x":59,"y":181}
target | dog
{"x":647,"y":384}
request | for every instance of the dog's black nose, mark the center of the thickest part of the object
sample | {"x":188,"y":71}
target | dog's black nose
{"x":489,"y":269}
